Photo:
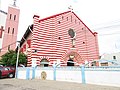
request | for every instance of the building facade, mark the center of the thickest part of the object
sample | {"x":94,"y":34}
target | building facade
{"x":115,"y":57}
{"x":62,"y":38}
{"x":8,"y":29}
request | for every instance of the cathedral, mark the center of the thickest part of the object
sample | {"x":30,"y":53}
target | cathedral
{"x":62,"y":38}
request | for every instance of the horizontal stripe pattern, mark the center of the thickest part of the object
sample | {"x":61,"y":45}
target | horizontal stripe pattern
{"x":51,"y":40}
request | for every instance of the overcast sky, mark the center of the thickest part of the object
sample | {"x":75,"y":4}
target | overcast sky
{"x":102,"y":16}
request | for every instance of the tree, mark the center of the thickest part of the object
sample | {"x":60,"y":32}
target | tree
{"x":9,"y":58}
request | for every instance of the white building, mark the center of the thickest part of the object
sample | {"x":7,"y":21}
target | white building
{"x":3,"y":16}
{"x":108,"y":58}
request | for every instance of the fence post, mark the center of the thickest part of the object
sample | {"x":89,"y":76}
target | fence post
{"x":0,"y":74}
{"x":27,"y":73}
{"x":83,"y":74}
{"x":54,"y":72}
{"x":16,"y":73}
{"x":33,"y":73}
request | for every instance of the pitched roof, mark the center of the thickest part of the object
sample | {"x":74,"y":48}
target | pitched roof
{"x":28,"y":31}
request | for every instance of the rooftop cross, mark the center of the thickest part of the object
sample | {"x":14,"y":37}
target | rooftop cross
{"x":14,"y":4}
{"x":70,"y":8}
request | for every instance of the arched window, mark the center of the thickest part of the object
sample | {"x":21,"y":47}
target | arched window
{"x":44,"y":62}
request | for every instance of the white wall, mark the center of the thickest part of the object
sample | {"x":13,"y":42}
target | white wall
{"x":3,"y":19}
{"x":2,"y":23}
{"x":110,"y":78}
{"x":68,"y":75}
{"x":100,"y":76}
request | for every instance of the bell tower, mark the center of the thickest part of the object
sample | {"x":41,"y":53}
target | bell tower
{"x":11,"y":29}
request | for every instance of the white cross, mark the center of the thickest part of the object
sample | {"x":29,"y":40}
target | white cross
{"x":70,"y":8}
{"x":14,"y":3}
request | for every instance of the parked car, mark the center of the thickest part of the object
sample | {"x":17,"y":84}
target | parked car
{"x":7,"y":71}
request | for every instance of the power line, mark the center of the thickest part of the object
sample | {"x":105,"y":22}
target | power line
{"x":110,"y":24}
{"x":105,"y":27}
{"x":108,"y":34}
{"x":118,"y":32}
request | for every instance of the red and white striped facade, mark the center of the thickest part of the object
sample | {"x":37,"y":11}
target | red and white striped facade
{"x":49,"y":39}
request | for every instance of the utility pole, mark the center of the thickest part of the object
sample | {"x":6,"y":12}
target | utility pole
{"x":17,"y":59}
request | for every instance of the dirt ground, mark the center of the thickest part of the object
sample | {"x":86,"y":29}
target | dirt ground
{"x":37,"y":84}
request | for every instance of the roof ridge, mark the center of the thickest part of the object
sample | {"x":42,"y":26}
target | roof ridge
{"x":84,"y":24}
{"x":53,"y":16}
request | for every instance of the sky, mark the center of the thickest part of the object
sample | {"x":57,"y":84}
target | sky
{"x":102,"y":16}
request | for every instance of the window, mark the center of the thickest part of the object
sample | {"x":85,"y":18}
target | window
{"x":67,"y":18}
{"x":44,"y":62}
{"x":35,"y":51}
{"x":8,"y":29}
{"x":62,"y":17}
{"x":59,"y":37}
{"x":59,"y":22}
{"x":70,"y":62}
{"x":114,"y":57}
{"x":13,"y":31}
{"x":10,"y":16}
{"x":14,"y":17}
{"x":71,"y":18}
{"x":83,"y":42}
{"x":71,"y":32}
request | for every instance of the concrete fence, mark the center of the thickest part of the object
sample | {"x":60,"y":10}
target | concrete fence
{"x":90,"y":75}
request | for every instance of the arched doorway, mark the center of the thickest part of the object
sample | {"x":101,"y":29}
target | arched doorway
{"x":44,"y":62}
{"x":70,"y":62}
{"x":71,"y":57}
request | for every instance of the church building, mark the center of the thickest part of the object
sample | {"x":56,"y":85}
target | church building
{"x":59,"y":39}
{"x":9,"y":28}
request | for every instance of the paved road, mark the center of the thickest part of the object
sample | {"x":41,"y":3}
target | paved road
{"x":17,"y":84}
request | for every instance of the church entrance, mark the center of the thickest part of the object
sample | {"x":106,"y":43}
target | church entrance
{"x":44,"y":62}
{"x":70,"y":62}
{"x":72,"y":58}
